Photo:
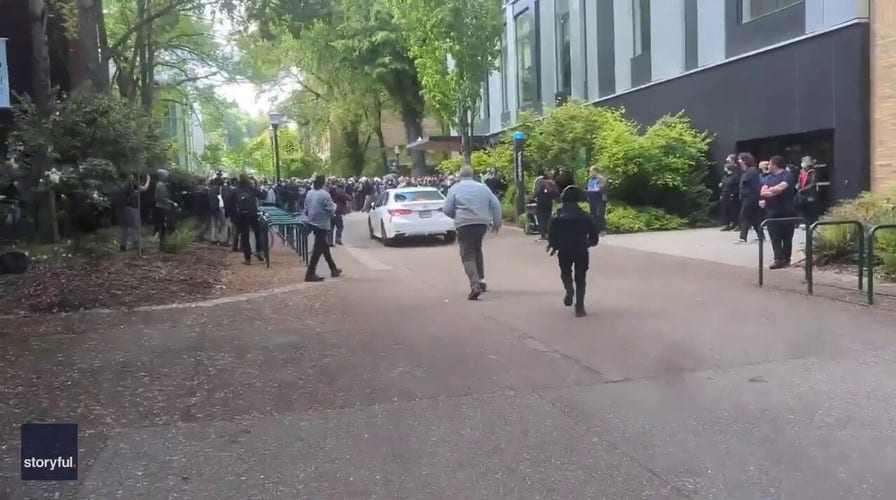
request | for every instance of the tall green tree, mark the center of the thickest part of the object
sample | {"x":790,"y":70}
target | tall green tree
{"x":454,"y":45}
{"x":347,"y":48}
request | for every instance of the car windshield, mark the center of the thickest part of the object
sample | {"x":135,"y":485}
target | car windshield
{"x":424,"y":195}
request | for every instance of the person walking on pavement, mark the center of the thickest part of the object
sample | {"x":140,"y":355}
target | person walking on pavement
{"x":573,"y":231}
{"x":320,"y":209}
{"x":473,"y":207}
{"x":245,"y":201}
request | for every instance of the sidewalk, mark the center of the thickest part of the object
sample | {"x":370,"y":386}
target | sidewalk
{"x":713,"y":245}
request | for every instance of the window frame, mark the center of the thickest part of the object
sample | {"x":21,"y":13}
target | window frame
{"x":505,"y":70}
{"x":528,"y":15}
{"x":563,"y":46}
{"x":741,"y":4}
{"x":638,"y":43}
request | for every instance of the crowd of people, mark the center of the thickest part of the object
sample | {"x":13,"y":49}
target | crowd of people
{"x":752,"y":192}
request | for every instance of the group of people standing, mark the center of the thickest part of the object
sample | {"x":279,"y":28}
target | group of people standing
{"x":752,"y":193}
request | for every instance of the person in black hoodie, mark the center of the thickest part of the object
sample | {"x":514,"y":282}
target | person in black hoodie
{"x":750,"y":184}
{"x":572,"y":232}
{"x":729,"y":195}
{"x":244,"y":200}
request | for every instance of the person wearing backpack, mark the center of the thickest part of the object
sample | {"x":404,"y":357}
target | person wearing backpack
{"x":245,"y":202}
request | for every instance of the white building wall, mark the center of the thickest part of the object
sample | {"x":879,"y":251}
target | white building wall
{"x":667,"y":52}
{"x":710,"y":32}
{"x":547,"y":53}
{"x":823,"y":14}
{"x":623,"y":16}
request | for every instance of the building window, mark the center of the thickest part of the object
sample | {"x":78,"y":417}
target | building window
{"x":527,"y":72}
{"x":484,"y":104}
{"x":753,"y":9}
{"x":564,"y":56}
{"x":505,"y":74}
{"x":641,"y":19}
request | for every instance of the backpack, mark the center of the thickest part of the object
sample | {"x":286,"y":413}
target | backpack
{"x":14,"y":263}
{"x":246,"y":203}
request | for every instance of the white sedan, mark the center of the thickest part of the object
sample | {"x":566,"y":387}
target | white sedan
{"x":411,"y":211}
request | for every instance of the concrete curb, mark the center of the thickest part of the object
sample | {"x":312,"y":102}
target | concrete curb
{"x":177,"y":305}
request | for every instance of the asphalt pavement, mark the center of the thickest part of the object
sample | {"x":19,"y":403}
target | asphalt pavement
{"x":685,"y":380}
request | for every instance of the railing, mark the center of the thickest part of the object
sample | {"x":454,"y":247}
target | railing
{"x":810,"y":253}
{"x":762,"y":226}
{"x":872,"y":233}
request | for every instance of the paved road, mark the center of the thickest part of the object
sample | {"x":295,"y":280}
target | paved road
{"x":685,"y":381}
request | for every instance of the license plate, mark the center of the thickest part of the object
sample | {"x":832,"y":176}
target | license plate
{"x":425,"y":213}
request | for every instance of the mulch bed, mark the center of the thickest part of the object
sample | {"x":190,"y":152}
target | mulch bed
{"x":201,"y":271}
{"x":125,"y":280}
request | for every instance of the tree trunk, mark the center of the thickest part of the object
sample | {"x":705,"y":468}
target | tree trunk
{"x":88,"y":39}
{"x":466,"y":147}
{"x":378,"y":130}
{"x":413,"y":128}
{"x":40,"y":55}
{"x":102,"y":74}
{"x":47,"y":224}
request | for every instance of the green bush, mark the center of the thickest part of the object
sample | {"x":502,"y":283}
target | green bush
{"x":626,"y":219}
{"x":665,"y":167}
{"x":838,"y":244}
{"x":183,"y":236}
{"x":508,"y":204}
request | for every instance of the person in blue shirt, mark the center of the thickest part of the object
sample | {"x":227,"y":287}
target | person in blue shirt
{"x":596,"y":192}
{"x":778,"y":194}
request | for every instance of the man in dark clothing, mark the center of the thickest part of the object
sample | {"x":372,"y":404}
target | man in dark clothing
{"x":573,"y":231}
{"x":245,"y":201}
{"x":729,"y":197}
{"x":227,"y":191}
{"x":779,"y":194}
{"x":545,"y":195}
{"x":340,"y":198}
{"x":750,"y":184}
{"x":564,"y":179}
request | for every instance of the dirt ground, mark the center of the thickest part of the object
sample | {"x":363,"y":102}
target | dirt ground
{"x":201,"y":271}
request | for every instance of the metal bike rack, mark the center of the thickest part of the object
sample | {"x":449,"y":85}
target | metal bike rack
{"x":810,"y":232}
{"x":762,"y":227}
{"x":870,"y":258}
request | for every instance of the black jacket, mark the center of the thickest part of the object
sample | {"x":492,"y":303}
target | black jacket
{"x":750,"y":185}
{"x":731,"y":186}
{"x":572,"y":230}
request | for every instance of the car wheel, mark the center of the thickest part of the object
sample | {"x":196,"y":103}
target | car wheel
{"x":370,"y":228}
{"x":450,"y":237}
{"x":383,"y":237}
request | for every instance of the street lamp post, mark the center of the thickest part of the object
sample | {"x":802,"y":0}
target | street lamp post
{"x":276,"y":119}
{"x":519,"y":174}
